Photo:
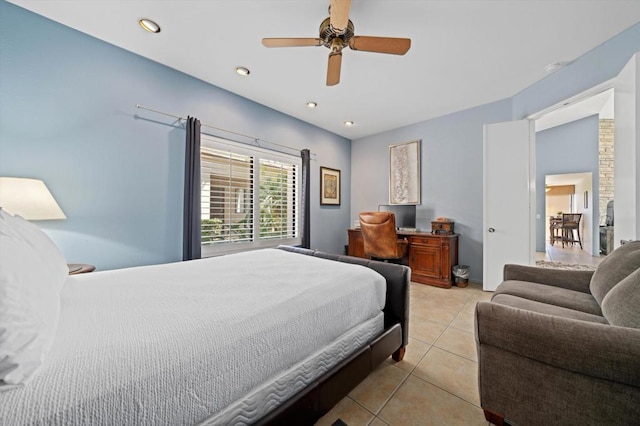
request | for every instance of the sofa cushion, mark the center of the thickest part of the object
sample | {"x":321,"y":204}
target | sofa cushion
{"x":621,"y":306}
{"x":614,"y":268}
{"x":551,"y":295}
{"x":545,"y":308}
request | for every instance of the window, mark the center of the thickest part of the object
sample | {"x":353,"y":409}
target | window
{"x":238,"y":180}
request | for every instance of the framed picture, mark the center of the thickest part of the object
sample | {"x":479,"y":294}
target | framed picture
{"x":329,"y":187}
{"x":404,"y":173}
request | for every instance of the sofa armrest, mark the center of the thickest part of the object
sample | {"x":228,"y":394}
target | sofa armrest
{"x":571,"y":280}
{"x":597,"y":350}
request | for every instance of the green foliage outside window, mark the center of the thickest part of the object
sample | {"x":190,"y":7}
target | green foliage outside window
{"x":273,"y":203}
{"x":242,"y":229}
{"x":211,"y":230}
{"x":275,"y":219}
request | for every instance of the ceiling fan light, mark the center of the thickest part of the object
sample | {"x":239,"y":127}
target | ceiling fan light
{"x":149,"y":25}
{"x":243,"y":71}
{"x":312,"y":104}
{"x":349,"y":123}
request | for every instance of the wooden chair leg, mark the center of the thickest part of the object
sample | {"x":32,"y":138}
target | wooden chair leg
{"x":494,"y":418}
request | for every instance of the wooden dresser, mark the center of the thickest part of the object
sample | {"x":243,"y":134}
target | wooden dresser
{"x":431,"y":256}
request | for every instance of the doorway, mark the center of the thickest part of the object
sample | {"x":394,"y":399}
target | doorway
{"x":572,"y":160}
{"x":627,"y":173}
{"x":570,"y":193}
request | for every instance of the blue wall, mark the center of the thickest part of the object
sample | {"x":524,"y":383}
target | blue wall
{"x":570,"y":148}
{"x":591,"y":69}
{"x":451,"y":173}
{"x":67,"y":116}
{"x":452,"y":146}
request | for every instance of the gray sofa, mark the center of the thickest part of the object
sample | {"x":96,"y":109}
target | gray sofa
{"x":561,"y":346}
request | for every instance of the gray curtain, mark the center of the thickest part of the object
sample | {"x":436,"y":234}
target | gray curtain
{"x":191,"y":239}
{"x":305,"y":198}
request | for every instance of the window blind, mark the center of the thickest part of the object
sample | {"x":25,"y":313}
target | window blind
{"x":278,"y":190}
{"x":250,"y":197}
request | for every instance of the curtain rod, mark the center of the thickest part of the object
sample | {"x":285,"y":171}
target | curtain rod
{"x":257,"y":140}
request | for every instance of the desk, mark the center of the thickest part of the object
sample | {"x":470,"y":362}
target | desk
{"x":431,"y":256}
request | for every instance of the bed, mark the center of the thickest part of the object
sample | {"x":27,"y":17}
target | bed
{"x":227,"y":340}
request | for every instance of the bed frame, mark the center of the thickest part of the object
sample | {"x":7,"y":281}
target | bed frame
{"x":314,"y":401}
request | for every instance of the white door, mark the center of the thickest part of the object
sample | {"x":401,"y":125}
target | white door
{"x":509,"y":198}
{"x":626,"y":189}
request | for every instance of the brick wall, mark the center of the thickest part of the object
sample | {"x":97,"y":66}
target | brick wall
{"x":606,"y":166}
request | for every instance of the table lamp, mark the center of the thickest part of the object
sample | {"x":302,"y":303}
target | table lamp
{"x":29,"y":198}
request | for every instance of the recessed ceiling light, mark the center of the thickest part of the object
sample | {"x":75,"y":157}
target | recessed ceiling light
{"x":312,"y":104}
{"x":243,"y":71}
{"x":149,"y":25}
{"x":553,"y":67}
{"x":349,"y":123}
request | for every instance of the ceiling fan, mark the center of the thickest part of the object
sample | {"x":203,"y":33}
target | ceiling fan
{"x":336,"y":33}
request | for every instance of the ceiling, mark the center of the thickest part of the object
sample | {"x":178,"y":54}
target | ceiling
{"x":464,"y":53}
{"x":566,"y":179}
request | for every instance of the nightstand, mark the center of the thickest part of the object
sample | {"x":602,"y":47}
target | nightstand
{"x":80,"y":268}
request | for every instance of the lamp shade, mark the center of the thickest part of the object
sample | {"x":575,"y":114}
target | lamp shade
{"x":29,"y":198}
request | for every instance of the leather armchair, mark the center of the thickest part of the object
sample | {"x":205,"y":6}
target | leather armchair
{"x":380,"y":237}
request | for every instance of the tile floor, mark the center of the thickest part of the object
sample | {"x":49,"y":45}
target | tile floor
{"x":437,"y":382}
{"x":568,"y":254}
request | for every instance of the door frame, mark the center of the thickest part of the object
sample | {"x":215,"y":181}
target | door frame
{"x":584,"y":95}
{"x":577,"y":98}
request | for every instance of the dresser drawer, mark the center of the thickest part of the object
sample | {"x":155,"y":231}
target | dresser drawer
{"x":427,"y":241}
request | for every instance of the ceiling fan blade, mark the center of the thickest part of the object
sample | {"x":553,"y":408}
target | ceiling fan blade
{"x":291,"y":42}
{"x":333,"y":69}
{"x":394,"y":46}
{"x":339,"y":11}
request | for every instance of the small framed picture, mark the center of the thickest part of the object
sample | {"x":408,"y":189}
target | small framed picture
{"x":329,"y":187}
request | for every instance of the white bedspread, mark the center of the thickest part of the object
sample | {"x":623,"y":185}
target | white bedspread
{"x":175,"y":344}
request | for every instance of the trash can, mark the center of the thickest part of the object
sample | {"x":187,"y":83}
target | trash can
{"x":461,"y":274}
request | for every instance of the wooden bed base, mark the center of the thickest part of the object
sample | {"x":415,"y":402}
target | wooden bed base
{"x":319,"y":397}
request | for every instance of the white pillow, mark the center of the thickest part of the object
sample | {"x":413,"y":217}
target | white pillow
{"x":42,"y":245}
{"x":32,"y":273}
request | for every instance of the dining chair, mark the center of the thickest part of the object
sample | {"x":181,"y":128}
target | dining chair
{"x":555,"y":229}
{"x":571,"y":223}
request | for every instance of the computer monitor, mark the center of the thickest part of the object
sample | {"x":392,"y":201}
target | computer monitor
{"x":405,"y":214}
